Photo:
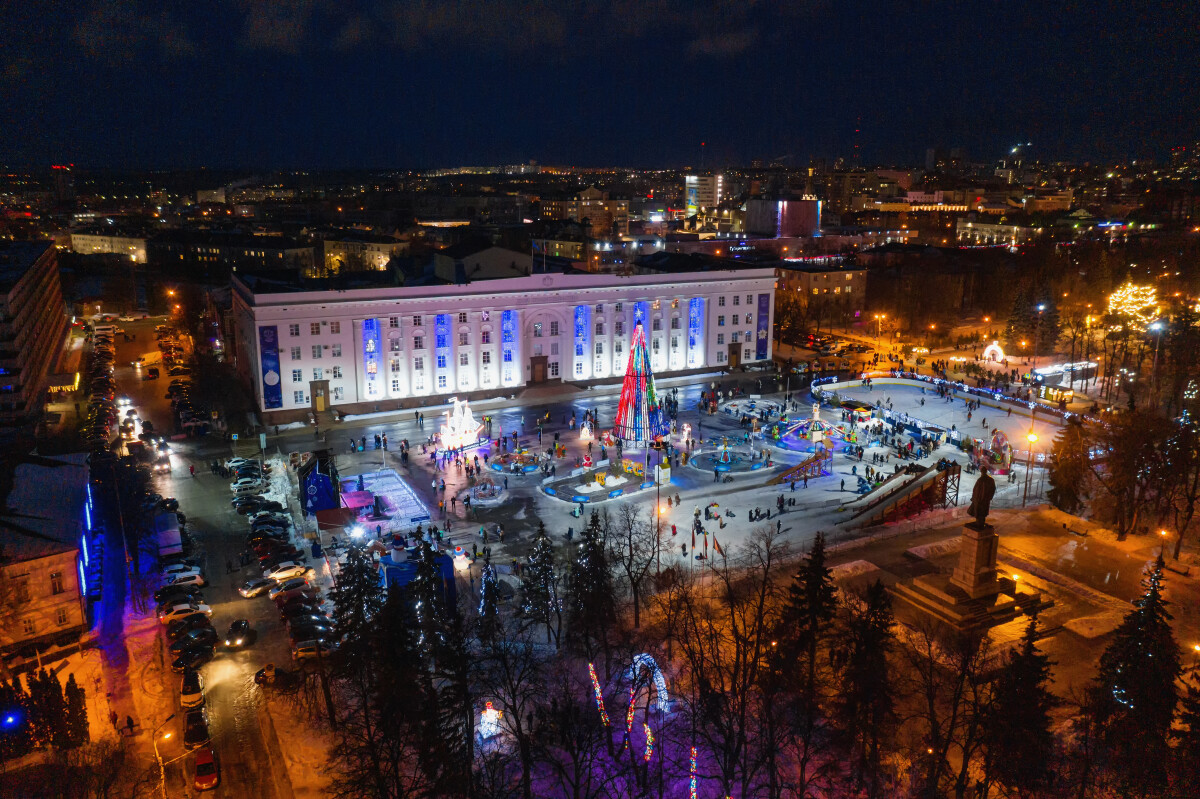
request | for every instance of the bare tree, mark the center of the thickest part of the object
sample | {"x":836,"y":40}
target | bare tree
{"x":513,"y":680}
{"x":634,"y":546}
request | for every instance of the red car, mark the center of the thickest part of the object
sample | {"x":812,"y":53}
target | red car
{"x":208,"y":773}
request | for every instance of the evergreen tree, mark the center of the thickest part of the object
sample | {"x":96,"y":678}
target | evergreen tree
{"x":1136,"y":697}
{"x":1017,"y":736}
{"x":591,"y":608}
{"x":1069,"y":467}
{"x":456,"y":709}
{"x":1040,"y":329}
{"x":539,"y":584}
{"x":76,"y":714}
{"x":1187,"y":748}
{"x":488,"y":623}
{"x":15,"y":739}
{"x":357,"y":596}
{"x":865,"y":709}
{"x":427,"y":592}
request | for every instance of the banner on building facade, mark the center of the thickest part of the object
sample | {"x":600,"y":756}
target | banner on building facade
{"x":763,"y":338}
{"x":268,"y":349}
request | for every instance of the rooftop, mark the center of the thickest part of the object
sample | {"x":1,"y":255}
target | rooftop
{"x":17,"y":258}
{"x":43,"y":508}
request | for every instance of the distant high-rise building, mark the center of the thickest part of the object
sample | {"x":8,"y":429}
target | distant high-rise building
{"x":701,"y":192}
{"x":64,"y":183}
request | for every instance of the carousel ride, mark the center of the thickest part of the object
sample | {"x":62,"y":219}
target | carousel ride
{"x":996,"y":454}
{"x":810,"y":435}
{"x":723,"y":455}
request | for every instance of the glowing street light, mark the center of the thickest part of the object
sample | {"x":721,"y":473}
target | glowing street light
{"x":1032,"y":439}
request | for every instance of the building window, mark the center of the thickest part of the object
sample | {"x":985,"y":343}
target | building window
{"x":735,"y":338}
{"x":395,"y":365}
{"x":599,"y":348}
{"x":747,"y":355}
{"x":441,"y":361}
{"x":554,"y":369}
{"x":395,"y":344}
{"x":417,"y":320}
{"x":485,"y":357}
{"x":462,"y":318}
{"x":316,"y":351}
{"x":749,"y":319}
{"x":441,"y":381}
{"x":674,"y":322}
{"x":674,"y":304}
{"x":508,"y":356}
{"x":537,"y":329}
{"x":295,"y":353}
{"x":837,"y":289}
{"x":485,"y":337}
{"x":578,"y":350}
{"x":418,"y":342}
{"x":720,"y":321}
{"x":335,"y":350}
{"x":293,"y":330}
{"x":440,"y":340}
{"x":618,"y":307}
{"x":656,"y":324}
{"x":720,"y":302}
{"x":654,"y":345}
{"x":464,"y":339}
{"x":335,"y":328}
{"x":720,"y":338}
{"x":61,"y":617}
{"x":418,"y":363}
{"x":335,"y":372}
{"x":599,"y":328}
{"x":619,"y":328}
{"x":735,"y":319}
{"x":298,"y":397}
{"x":816,"y":291}
{"x":617,"y":348}
{"x":674,"y":342}
{"x":579,"y":370}
{"x":720,"y":356}
{"x":395,"y":385}
{"x":314,"y":328}
{"x":393,"y":321}
{"x":553,"y":349}
{"x":464,"y":359}
{"x":848,"y":289}
{"x":56,"y":583}
{"x":600,"y":308}
{"x":656,"y":305}
{"x":554,"y":328}
{"x":27,"y":626}
{"x":318,"y":373}
{"x":749,"y":299}
{"x":737,"y":300}
{"x":485,"y":316}
{"x":297,"y":375}
{"x":339,"y":393}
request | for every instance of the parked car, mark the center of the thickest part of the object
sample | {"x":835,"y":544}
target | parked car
{"x":207,"y":772}
{"x":288,"y":585}
{"x":180,"y":593}
{"x":256,"y":586}
{"x":181,"y":567}
{"x":181,"y":627}
{"x":151,"y":373}
{"x":233,"y":463}
{"x":285,"y":571}
{"x":179,"y":611}
{"x":299,"y":606}
{"x":195,"y":728}
{"x":306,"y":650}
{"x":239,"y":634}
{"x":194,"y":639}
{"x":304,"y":591}
{"x":191,"y":689}
{"x":298,"y":633}
{"x":192,"y":659}
{"x":187,"y":578}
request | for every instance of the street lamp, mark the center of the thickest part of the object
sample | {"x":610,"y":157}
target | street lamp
{"x":1032,"y":439}
{"x":1163,"y":550}
{"x":1037,"y":334}
{"x":162,"y":774}
{"x":1157,"y":327}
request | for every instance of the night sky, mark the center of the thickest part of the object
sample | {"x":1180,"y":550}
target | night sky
{"x":372,"y":83}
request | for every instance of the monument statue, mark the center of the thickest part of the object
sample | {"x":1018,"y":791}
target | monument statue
{"x":981,"y":497}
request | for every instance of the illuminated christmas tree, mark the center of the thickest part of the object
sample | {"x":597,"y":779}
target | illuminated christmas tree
{"x":639,"y":418}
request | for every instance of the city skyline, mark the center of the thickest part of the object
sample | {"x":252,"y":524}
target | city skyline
{"x":132,"y":85}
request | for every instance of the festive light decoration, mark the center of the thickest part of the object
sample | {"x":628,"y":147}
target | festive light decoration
{"x":647,"y":663}
{"x":585,"y":432}
{"x":461,"y":430}
{"x":1134,"y":306}
{"x":599,"y":695}
{"x":692,"y":774}
{"x":649,"y":743}
{"x":629,"y":715}
{"x":993,"y":352}
{"x":639,"y":419}
{"x":489,"y":722}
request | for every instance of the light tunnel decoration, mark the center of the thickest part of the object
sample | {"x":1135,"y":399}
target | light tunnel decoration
{"x":993,"y":352}
{"x":645,"y":663}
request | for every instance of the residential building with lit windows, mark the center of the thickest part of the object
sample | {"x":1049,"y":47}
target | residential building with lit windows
{"x":33,"y":326}
{"x":44,"y":553}
{"x":312,"y":350}
{"x":827,"y":285}
{"x":605,"y":216}
{"x":106,"y":241}
{"x":701,"y":192}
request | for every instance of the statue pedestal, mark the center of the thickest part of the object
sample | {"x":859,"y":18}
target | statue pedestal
{"x":973,"y":597}
{"x":976,"y":570}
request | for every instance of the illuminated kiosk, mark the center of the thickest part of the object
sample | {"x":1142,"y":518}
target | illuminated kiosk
{"x":809,"y":435}
{"x":997,"y":456}
{"x":640,"y":420}
{"x":460,"y":431}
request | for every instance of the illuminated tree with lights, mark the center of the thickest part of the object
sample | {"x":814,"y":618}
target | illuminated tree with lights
{"x":1133,"y":308}
{"x":591,"y":605}
{"x":539,"y":586}
{"x":488,"y":623}
{"x":1135,"y":700}
{"x":639,"y":419}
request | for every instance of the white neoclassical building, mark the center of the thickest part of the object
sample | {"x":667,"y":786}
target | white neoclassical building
{"x":316,"y":350}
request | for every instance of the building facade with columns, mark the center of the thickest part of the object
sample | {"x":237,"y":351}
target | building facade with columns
{"x":315,"y":350}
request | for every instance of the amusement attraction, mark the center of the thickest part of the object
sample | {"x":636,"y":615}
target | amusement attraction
{"x":996,"y":455}
{"x":809,"y":435}
{"x":640,"y":419}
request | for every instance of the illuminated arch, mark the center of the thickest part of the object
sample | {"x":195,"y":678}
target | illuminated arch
{"x":645,"y":663}
{"x":993,"y":352}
